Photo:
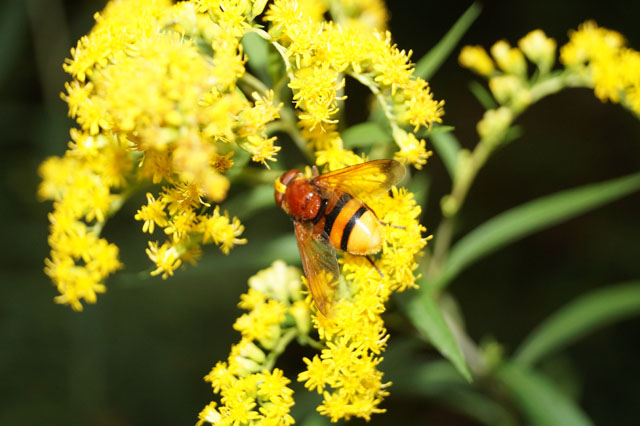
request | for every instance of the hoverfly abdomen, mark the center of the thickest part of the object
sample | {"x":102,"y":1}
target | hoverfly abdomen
{"x":352,"y":227}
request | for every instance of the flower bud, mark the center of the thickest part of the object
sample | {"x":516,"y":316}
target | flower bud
{"x":476,"y":59}
{"x":509,"y":89}
{"x":494,"y":123}
{"x":509,"y":59}
{"x":539,"y":49}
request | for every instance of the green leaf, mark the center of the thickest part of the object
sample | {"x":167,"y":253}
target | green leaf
{"x":425,"y":315}
{"x":538,"y":399}
{"x":582,"y":316}
{"x":413,"y":377}
{"x":429,"y":63}
{"x":476,"y":406}
{"x":437,"y":128}
{"x":528,"y":218}
{"x":447,"y":147}
{"x":419,"y":187}
{"x":365,"y":134}
{"x":257,"y":50}
{"x":247,"y":204}
{"x":13,"y":36}
{"x":482,"y":95}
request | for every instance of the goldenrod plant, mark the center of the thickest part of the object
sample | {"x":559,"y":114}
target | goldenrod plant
{"x":187,"y":102}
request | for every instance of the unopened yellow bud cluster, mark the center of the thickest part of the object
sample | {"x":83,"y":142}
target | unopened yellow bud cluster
{"x":506,"y":68}
{"x":594,"y":57}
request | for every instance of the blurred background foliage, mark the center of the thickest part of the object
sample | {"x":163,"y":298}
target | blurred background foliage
{"x":138,"y":356}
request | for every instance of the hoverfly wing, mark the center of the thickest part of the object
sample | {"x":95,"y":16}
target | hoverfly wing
{"x":370,"y":178}
{"x":319,"y":263}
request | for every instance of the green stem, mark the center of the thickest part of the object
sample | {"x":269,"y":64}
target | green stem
{"x":337,"y":11}
{"x":555,"y":83}
{"x":253,"y":82}
{"x":396,"y":130}
{"x":453,"y":202}
{"x":289,"y":125}
{"x":280,"y":346}
{"x":306,"y":340}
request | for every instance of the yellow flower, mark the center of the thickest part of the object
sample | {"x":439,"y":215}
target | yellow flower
{"x":421,"y":108}
{"x":79,"y":263}
{"x":612,"y":68}
{"x":392,"y":65}
{"x":153,"y":213}
{"x":221,"y":230}
{"x":590,"y":42}
{"x":166,"y":258}
{"x":315,"y":92}
{"x":262,"y":322}
{"x":412,"y":150}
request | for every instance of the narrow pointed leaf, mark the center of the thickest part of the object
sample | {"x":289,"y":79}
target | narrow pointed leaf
{"x":257,"y":50}
{"x":365,"y":134}
{"x":429,"y":63}
{"x":439,"y":380}
{"x":541,"y":403}
{"x":528,"y":218}
{"x":580,"y":317}
{"x":447,"y":147}
{"x":425,"y":315}
{"x":482,"y":95}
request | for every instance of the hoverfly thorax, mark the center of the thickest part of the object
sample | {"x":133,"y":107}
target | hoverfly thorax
{"x":298,"y":196}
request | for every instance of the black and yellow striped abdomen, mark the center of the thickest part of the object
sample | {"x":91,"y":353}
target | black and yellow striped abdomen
{"x":351,"y":226}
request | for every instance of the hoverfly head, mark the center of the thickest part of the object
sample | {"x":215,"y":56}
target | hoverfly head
{"x":280,"y":185}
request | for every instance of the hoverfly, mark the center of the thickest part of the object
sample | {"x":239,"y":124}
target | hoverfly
{"x":328,"y":215}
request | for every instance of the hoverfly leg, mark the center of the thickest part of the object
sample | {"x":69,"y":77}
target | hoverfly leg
{"x":315,"y":171}
{"x":393,"y":226}
{"x":374,"y":265}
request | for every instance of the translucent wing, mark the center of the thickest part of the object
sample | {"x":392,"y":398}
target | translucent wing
{"x":319,"y":263}
{"x":370,"y":178}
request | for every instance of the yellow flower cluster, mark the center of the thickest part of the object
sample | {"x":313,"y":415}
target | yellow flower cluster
{"x":346,"y":372}
{"x":612,"y":68}
{"x":155,"y":98}
{"x":251,"y":390}
{"x":81,"y":185}
{"x":318,"y":54}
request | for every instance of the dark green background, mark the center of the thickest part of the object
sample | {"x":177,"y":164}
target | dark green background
{"x":138,"y":356}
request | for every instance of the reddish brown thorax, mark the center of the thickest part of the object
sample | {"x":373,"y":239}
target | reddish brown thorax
{"x":298,"y":196}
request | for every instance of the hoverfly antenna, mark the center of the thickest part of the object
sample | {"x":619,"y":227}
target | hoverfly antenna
{"x":279,"y":186}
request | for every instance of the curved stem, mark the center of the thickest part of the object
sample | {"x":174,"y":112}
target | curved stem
{"x":253,"y":82}
{"x":282,"y":344}
{"x":289,"y":125}
{"x":477,"y":159}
